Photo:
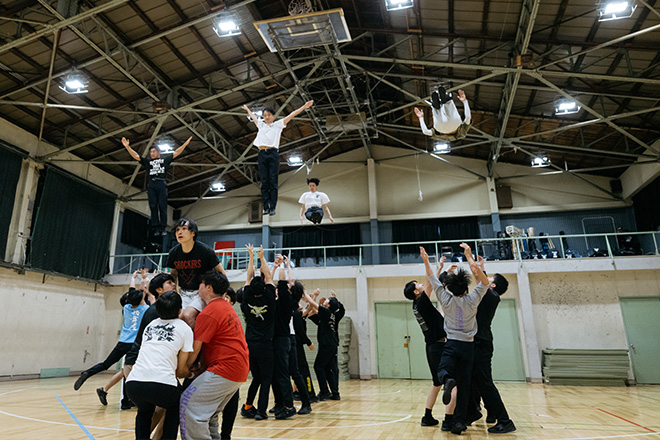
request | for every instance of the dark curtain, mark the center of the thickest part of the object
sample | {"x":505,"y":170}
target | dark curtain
{"x":134,"y":229}
{"x":647,"y":210}
{"x":437,"y":229}
{"x":10,"y":171}
{"x":72,"y":229}
{"x":330,"y":235}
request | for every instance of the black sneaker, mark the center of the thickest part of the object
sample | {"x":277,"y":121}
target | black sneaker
{"x":260,"y":415}
{"x":429,"y":421}
{"x":265,"y":211}
{"x":285,"y":413}
{"x":335,"y":396}
{"x":313,"y":398}
{"x":248,"y":413}
{"x":490,"y":419}
{"x":446,"y":394}
{"x":276,"y":409}
{"x":127,"y":404}
{"x":296,"y":395}
{"x":443,"y":95}
{"x":305,"y":409}
{"x":103,"y":396}
{"x":473,"y":417}
{"x":502,"y":427}
{"x":458,"y":428}
{"x":447,"y":425}
{"x":81,"y":380}
{"x":324,"y":396}
{"x":435,"y":100}
{"x":272,"y":211}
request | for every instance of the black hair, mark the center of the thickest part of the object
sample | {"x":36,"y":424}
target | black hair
{"x":124,"y":299}
{"x":239,"y":295}
{"x":158,"y":281}
{"x":257,"y":286}
{"x":269,"y":110}
{"x":501,"y":284}
{"x":169,"y":305}
{"x":218,"y":281}
{"x":409,"y":290}
{"x":334,"y":304}
{"x":457,"y":283}
{"x":232,"y":295}
{"x":153,"y":147}
{"x":313,"y":180}
{"x":190,"y":224}
{"x":134,"y":297}
{"x":297,"y":291}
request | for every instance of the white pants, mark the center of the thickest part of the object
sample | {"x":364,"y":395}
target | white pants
{"x":446,"y":119}
{"x":190,"y":298}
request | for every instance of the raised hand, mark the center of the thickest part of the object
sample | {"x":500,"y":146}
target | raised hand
{"x":250,"y":248}
{"x":423,"y":254}
{"x":461,"y":96}
{"x":126,"y":142}
{"x":308,"y":104}
{"x":419,"y":113}
{"x":261,"y":251}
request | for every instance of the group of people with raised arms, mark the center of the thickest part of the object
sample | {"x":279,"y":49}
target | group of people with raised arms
{"x":459,"y":342}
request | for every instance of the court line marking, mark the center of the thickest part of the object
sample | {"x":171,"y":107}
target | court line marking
{"x":371,"y":394}
{"x":327,"y":427}
{"x":610,"y":436}
{"x":90,"y":436}
{"x":625,"y":420}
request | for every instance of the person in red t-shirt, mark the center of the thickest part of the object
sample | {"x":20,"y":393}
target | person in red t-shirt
{"x":219,"y":336}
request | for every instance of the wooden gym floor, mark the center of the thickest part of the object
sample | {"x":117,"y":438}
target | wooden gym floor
{"x":377,"y":409}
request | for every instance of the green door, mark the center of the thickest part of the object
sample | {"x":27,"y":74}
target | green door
{"x":640,"y":318}
{"x":419,"y":367}
{"x":391,"y":340}
{"x":508,"y":361}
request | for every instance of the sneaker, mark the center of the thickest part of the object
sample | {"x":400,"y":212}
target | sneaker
{"x":285,"y":413}
{"x":305,"y":409}
{"x":435,"y":99}
{"x":447,"y":425}
{"x":266,"y":211}
{"x":248,"y":413}
{"x":260,"y":415}
{"x":276,"y":409}
{"x":502,"y":427}
{"x":127,"y":404}
{"x":429,"y":421}
{"x":272,"y":211}
{"x":443,"y":95}
{"x":103,"y":396}
{"x":446,"y":394}
{"x":313,"y":398}
{"x":296,"y":395}
{"x":458,"y":428}
{"x":335,"y":396}
{"x":473,"y":417}
{"x":490,"y":419}
{"x":81,"y":380}
{"x":324,"y":396}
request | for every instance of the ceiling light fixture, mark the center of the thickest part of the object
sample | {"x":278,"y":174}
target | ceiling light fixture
{"x":540,"y":162}
{"x":395,"y":5}
{"x":441,"y":148}
{"x":226,"y":26}
{"x":217,"y":187}
{"x":566,"y":106}
{"x":74,"y":83}
{"x":614,"y":10}
{"x":294,"y":161}
{"x":165,"y":145}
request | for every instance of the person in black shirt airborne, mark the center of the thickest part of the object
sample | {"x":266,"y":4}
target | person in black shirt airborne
{"x":432,"y":324}
{"x":156,"y":167}
{"x":258,"y":307}
{"x":482,"y":374}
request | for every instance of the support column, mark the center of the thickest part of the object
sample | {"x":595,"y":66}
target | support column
{"x":373,"y":210}
{"x":113,"y":236}
{"x":494,"y":207}
{"x":362,"y":325}
{"x":265,"y":233}
{"x":19,"y":229}
{"x":534,"y":371}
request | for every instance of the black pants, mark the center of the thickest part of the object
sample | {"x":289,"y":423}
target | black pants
{"x":157,"y":195}
{"x":325,"y":367}
{"x":228,"y":417}
{"x":268,"y":162}
{"x":456,"y":363}
{"x":303,"y":367}
{"x":482,"y":382}
{"x":314,"y":214}
{"x":115,"y":355}
{"x":281,"y":383}
{"x":294,"y":372}
{"x":433,"y":356}
{"x":148,"y":395}
{"x":261,"y":367}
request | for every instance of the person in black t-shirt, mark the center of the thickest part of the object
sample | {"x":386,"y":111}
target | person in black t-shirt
{"x":258,"y":307}
{"x":482,"y":386}
{"x":432,"y":324}
{"x":188,"y":261}
{"x":156,"y":168}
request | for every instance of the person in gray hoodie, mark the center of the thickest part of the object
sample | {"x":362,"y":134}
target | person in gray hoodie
{"x":460,"y":310}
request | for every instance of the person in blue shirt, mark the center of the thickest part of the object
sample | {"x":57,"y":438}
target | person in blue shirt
{"x":132,"y":312}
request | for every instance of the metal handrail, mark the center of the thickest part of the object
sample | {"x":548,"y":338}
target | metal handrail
{"x":239,"y":256}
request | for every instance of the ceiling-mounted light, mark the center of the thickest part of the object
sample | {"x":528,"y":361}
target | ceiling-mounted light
{"x":74,"y":83}
{"x":294,"y":161}
{"x":258,"y":113}
{"x":614,"y":10}
{"x":226,"y":25}
{"x":165,"y":145}
{"x":217,"y":187}
{"x":540,"y":162}
{"x":566,"y":106}
{"x":395,"y":5}
{"x":441,"y":148}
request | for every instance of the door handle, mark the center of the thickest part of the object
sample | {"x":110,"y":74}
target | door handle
{"x":406,"y":339}
{"x":632,"y":347}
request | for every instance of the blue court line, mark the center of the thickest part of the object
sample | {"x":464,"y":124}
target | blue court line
{"x":75,"y":419}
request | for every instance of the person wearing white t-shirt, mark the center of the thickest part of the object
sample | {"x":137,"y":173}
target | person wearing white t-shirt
{"x":166,"y":343}
{"x":447,"y":123}
{"x":268,"y":143}
{"x":313,"y":202}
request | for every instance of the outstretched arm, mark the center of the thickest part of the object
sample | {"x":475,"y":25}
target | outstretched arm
{"x":268,"y":276}
{"x":422,"y":124}
{"x":251,"y":115}
{"x":466,"y":107}
{"x":297,"y":111}
{"x":474,"y":267}
{"x":332,"y":220}
{"x":302,"y":210}
{"x":131,"y":151}
{"x":250,"y":268}
{"x":181,"y":148}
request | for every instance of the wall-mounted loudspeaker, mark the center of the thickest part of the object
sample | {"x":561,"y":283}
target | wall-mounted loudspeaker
{"x":255,"y":212}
